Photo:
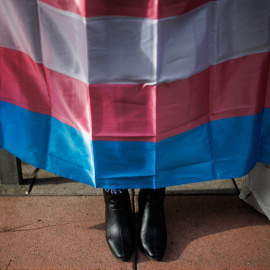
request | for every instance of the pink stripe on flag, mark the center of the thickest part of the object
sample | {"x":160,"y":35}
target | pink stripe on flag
{"x":34,"y":87}
{"x":22,"y":81}
{"x":182,"y":105}
{"x":123,"y":110}
{"x":229,"y":89}
{"x":133,"y":112}
{"x":133,"y":8}
{"x":239,"y":86}
{"x":69,"y":100}
{"x":267,"y":98}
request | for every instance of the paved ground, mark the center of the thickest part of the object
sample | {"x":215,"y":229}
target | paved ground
{"x":67,"y":232}
{"x":38,"y":182}
{"x":54,"y":223}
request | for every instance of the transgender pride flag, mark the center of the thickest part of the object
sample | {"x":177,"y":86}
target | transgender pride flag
{"x":136,"y":93}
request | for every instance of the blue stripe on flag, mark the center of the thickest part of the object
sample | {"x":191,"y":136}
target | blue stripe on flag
{"x":220,"y":149}
{"x":46,"y":143}
{"x":217,"y":150}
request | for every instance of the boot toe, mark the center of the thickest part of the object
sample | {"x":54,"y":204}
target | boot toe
{"x":122,"y":251}
{"x":154,"y":257}
{"x":153,"y":248}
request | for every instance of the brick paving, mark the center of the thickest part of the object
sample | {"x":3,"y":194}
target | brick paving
{"x":68,"y":232}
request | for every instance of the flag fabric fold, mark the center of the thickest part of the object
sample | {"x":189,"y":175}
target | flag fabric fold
{"x":136,"y":94}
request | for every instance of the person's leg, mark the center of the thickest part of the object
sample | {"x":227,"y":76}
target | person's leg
{"x":115,"y":191}
{"x":153,"y":233}
{"x":120,"y":233}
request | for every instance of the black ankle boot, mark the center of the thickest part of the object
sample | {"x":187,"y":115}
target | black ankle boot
{"x":120,"y":235}
{"x":153,"y":233}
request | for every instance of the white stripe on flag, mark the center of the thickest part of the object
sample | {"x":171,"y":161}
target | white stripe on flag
{"x":184,"y":44}
{"x":242,"y":28}
{"x":64,"y":43}
{"x":117,"y":49}
{"x":19,"y":27}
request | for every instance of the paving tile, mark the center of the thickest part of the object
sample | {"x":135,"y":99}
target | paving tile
{"x":59,"y":186}
{"x":51,"y":184}
{"x":224,"y":186}
{"x":62,"y":186}
{"x":212,"y":232}
{"x":28,"y":171}
{"x":14,"y":190}
{"x":239,"y":181}
{"x":54,"y":233}
{"x":45,"y":174}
